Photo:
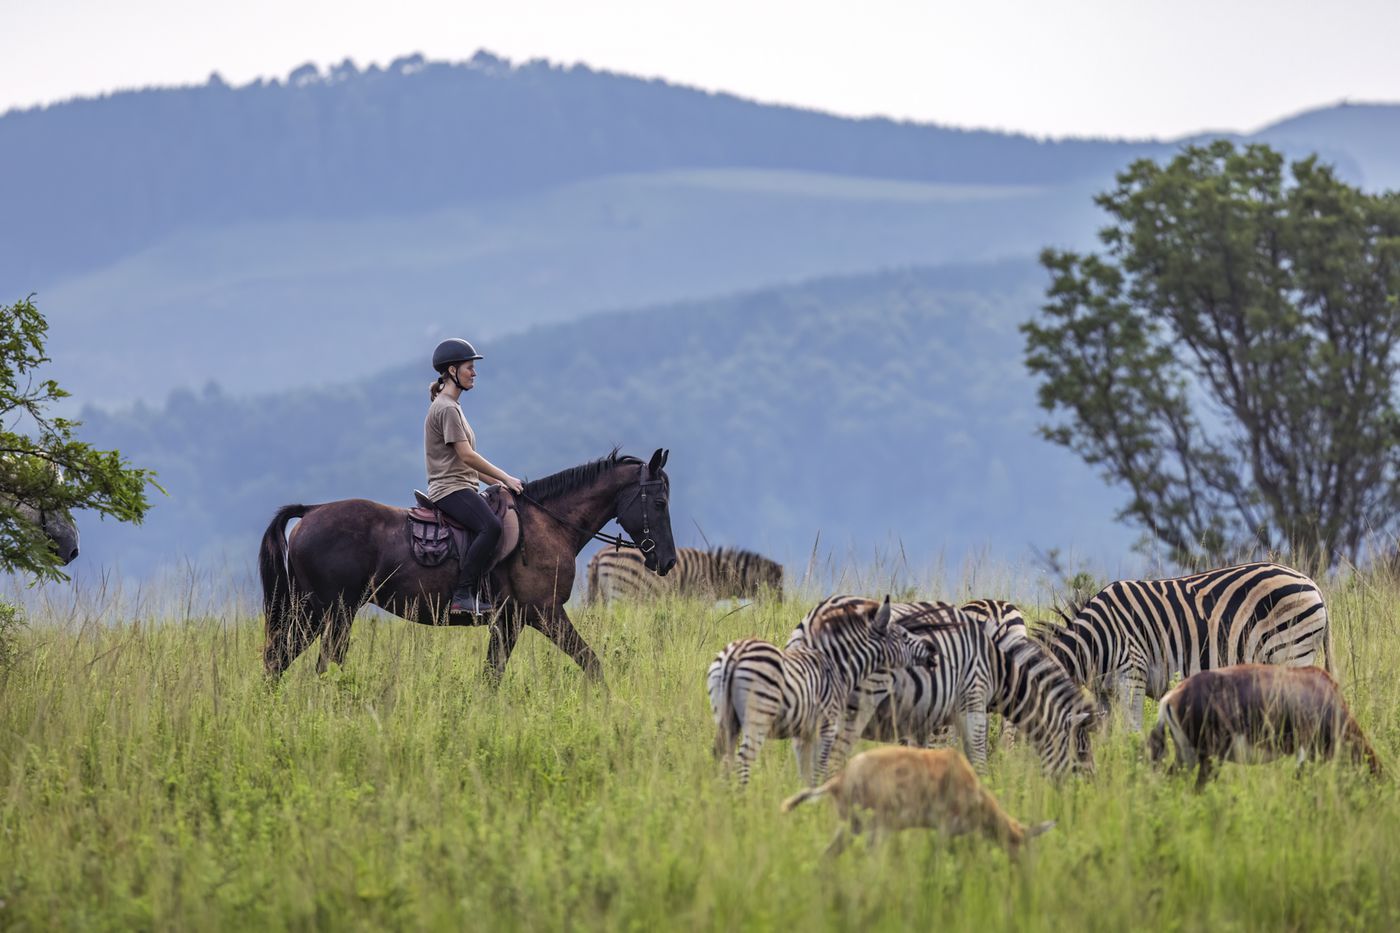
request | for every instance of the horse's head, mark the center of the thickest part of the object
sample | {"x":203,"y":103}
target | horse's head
{"x":644,"y":513}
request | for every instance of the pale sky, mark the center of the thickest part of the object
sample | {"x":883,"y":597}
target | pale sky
{"x":1100,"y":67}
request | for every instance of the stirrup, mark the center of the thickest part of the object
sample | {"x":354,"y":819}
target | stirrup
{"x":471,"y":605}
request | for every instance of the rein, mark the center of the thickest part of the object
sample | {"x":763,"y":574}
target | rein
{"x":617,"y":541}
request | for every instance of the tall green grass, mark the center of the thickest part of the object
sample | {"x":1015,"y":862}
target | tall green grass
{"x":151,"y":779}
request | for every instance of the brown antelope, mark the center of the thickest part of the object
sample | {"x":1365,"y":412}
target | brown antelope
{"x":1252,"y":713}
{"x":893,"y":788}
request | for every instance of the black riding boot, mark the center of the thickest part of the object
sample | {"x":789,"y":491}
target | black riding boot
{"x":466,"y":600}
{"x":471,"y":511}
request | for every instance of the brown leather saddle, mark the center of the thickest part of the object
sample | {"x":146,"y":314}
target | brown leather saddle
{"x":434,"y":536}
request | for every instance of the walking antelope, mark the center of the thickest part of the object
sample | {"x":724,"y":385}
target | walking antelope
{"x":894,"y":788}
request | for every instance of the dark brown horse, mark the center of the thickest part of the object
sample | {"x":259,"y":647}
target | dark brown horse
{"x":347,"y":553}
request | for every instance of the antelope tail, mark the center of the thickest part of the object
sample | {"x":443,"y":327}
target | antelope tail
{"x":811,"y":793}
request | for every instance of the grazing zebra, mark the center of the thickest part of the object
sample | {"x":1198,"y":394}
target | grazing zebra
{"x":719,"y":572}
{"x":914,"y":704}
{"x":758,"y":690}
{"x":1037,"y":697}
{"x":1130,"y":638}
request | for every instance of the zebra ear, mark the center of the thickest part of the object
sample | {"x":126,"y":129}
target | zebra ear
{"x":882,"y":615}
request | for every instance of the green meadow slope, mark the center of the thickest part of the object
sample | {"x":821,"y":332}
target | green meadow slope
{"x":153,"y":780}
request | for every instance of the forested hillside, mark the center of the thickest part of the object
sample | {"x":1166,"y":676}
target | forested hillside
{"x":179,"y":235}
{"x":875,"y":410}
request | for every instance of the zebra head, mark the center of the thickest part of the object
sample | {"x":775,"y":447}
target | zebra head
{"x":899,"y":647}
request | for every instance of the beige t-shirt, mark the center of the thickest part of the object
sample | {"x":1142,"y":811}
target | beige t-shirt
{"x":445,"y":426}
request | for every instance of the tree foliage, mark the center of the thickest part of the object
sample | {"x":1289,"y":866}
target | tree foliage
{"x":1230,"y":356}
{"x":43,"y":467}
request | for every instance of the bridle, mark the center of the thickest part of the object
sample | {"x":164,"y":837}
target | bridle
{"x":647,"y":545}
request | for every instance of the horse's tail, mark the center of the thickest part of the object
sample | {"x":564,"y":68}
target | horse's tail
{"x":279,"y":602}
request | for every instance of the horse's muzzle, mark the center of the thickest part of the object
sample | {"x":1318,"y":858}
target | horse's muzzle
{"x":666,"y":567}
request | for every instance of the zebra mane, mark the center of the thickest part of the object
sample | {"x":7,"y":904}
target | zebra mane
{"x":833,"y":617}
{"x":1072,"y":605}
{"x":565,"y":481}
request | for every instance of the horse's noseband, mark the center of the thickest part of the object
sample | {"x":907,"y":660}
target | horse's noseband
{"x":647,"y":544}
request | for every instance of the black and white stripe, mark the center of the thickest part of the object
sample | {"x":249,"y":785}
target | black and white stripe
{"x":1037,"y":697}
{"x":915,"y":704}
{"x":758,"y":690}
{"x":719,"y":573}
{"x":1131,"y":638}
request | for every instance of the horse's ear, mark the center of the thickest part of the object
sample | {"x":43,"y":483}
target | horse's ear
{"x":657,"y":459}
{"x":665,"y":456}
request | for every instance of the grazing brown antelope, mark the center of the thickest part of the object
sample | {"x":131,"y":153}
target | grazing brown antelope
{"x":893,"y":788}
{"x":1252,"y":713}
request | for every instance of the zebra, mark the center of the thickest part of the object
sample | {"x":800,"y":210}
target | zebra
{"x":758,"y":690}
{"x":1128,"y":640}
{"x":1035,"y":695}
{"x":914,"y":702}
{"x":720,"y":572}
{"x":981,"y":660}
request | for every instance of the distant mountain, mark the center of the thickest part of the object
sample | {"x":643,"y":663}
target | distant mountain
{"x":292,"y":232}
{"x":877,"y":411}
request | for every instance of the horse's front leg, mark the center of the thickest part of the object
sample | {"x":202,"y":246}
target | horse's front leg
{"x":555,"y":624}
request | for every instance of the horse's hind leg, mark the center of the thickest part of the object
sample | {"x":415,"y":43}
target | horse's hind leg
{"x":335,"y":636}
{"x":298,"y":627}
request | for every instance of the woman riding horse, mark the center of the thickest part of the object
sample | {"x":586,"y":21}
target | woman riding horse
{"x":455,"y":468}
{"x":344,"y":554}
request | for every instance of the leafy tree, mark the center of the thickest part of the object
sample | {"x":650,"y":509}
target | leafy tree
{"x":1230,"y":357}
{"x":42,"y":466}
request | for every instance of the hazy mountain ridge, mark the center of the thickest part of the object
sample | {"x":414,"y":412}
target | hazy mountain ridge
{"x":246,"y":235}
{"x":870,"y":409}
{"x":100,"y":178}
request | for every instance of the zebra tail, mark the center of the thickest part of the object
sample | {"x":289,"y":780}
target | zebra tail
{"x":811,"y":793}
{"x":726,"y":721}
{"x":1329,"y":663}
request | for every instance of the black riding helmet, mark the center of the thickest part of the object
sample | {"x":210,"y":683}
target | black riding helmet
{"x":453,"y":350}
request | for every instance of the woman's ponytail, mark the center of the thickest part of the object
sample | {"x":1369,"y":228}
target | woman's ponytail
{"x":435,"y":387}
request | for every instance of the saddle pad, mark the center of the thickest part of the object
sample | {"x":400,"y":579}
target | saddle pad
{"x":434,"y":536}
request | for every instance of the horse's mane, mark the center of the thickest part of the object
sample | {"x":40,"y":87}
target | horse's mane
{"x":557,"y":484}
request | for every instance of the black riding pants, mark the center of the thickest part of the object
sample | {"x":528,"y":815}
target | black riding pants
{"x":468,"y":508}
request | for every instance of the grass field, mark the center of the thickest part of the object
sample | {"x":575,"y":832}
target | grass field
{"x":151,"y":779}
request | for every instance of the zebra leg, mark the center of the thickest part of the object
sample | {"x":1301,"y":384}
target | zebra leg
{"x":1130,"y":693}
{"x":973,"y":726}
{"x":828,"y":739}
{"x":755,"y":733}
{"x":805,"y":751}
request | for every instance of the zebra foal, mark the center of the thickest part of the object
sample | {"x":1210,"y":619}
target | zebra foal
{"x":719,"y":573}
{"x":759,"y":691}
{"x":1127,"y":641}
